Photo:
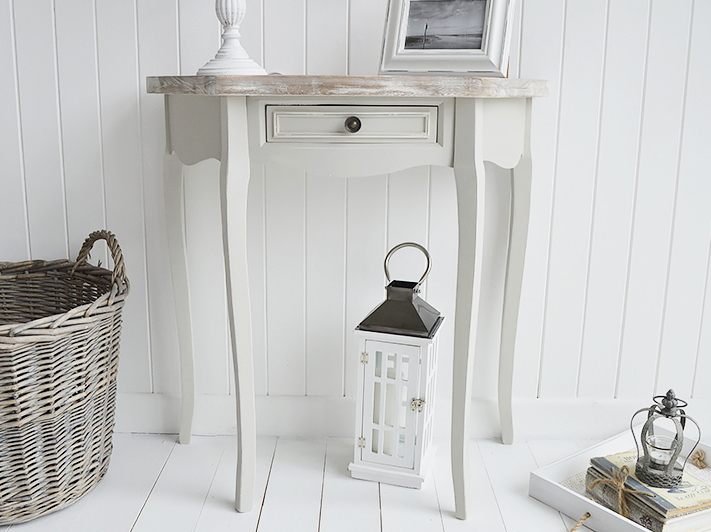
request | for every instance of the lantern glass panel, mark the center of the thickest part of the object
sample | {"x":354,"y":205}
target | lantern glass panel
{"x":388,"y":443}
{"x":378,"y":364}
{"x":405,"y":368}
{"x":403,"y":407}
{"x":376,"y":403}
{"x":401,"y":446}
{"x":374,"y":446}
{"x":390,"y":405}
{"x":391,"y":366}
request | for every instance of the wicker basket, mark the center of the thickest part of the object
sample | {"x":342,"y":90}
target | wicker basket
{"x":60,"y":323}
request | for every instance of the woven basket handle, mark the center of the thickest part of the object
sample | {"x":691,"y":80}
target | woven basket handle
{"x":119,"y":273}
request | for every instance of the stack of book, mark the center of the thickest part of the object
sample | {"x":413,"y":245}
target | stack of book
{"x":684,"y":508}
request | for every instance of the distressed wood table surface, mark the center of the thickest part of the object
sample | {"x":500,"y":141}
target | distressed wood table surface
{"x":249,"y":122}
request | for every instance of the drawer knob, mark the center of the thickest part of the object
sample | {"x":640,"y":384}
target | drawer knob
{"x":353,"y":124}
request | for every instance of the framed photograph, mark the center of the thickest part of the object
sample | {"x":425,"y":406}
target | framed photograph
{"x":447,"y":36}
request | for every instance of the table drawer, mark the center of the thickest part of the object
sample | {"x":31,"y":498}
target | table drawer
{"x":353,"y":124}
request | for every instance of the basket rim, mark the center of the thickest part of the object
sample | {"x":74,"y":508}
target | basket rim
{"x":74,"y":318}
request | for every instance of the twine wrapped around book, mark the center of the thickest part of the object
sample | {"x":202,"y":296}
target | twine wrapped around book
{"x":698,"y":459}
{"x":618,"y":481}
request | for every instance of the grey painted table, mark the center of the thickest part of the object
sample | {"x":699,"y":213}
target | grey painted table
{"x":404,"y":121}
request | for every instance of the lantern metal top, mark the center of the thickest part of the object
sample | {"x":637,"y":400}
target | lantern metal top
{"x":404,"y":312}
{"x":669,"y":404}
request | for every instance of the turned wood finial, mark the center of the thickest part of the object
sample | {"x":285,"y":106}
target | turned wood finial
{"x":231,"y":58}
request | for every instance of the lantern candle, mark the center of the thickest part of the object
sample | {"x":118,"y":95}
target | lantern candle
{"x":661,"y":450}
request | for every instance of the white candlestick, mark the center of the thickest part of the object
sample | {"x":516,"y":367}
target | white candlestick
{"x":231,"y":58}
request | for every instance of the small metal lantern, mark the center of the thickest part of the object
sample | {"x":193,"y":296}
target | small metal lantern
{"x":658,"y":466}
{"x":396,"y":382}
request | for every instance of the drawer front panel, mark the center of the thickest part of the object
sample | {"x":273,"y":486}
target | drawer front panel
{"x":353,"y":124}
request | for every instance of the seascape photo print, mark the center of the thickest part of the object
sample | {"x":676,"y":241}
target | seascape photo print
{"x":445,"y":24}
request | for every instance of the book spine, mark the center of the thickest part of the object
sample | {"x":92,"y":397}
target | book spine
{"x":606,"y":495}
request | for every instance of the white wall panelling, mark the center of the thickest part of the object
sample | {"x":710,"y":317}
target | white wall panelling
{"x":691,"y":231}
{"x":655,"y":197}
{"x":541,"y":56}
{"x":158,"y":46}
{"x":700,"y":119}
{"x":120,"y":90}
{"x":574,"y":177}
{"x":14,"y":209}
{"x":615,"y":302}
{"x":35,"y":50}
{"x":613,"y":201}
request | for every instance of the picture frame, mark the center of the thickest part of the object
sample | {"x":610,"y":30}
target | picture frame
{"x":466,"y":37}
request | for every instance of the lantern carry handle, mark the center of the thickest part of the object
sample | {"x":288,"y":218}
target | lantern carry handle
{"x":410,"y":245}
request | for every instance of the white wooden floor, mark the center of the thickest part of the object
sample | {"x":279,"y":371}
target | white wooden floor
{"x":154,"y":484}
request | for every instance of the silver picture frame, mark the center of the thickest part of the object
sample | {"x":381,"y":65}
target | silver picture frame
{"x":467,"y":37}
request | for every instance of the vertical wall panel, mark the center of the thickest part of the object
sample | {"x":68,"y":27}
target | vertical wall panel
{"x":81,"y":135}
{"x":199,"y":36}
{"x":41,"y":142}
{"x":515,"y":51}
{"x":696,"y":100}
{"x":63,"y":123}
{"x":199,"y":32}
{"x":284,"y":46}
{"x":692,"y":223}
{"x":702,"y":367}
{"x":14,"y":243}
{"x":408,"y":215}
{"x":325,"y":284}
{"x":488,"y":341}
{"x":158,"y":53}
{"x":207,"y":277}
{"x":625,"y":53}
{"x":123,"y":174}
{"x":654,"y":201}
{"x":251,"y":30}
{"x":285,"y":204}
{"x":367,"y":20}
{"x":541,"y":53}
{"x":572,"y":207}
{"x":442,"y":281}
{"x":365,"y":249}
{"x":326,"y":37}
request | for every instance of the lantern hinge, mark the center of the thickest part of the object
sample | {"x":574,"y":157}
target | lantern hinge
{"x":417,"y":405}
{"x":364,"y":357}
{"x":361,"y":443}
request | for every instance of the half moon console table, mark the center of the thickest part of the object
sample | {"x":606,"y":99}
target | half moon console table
{"x":349,"y":126}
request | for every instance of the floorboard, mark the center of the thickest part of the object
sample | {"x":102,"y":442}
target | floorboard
{"x":411,"y":509}
{"x":156,"y":485}
{"x":348,"y":505}
{"x":218,"y":513}
{"x":293,"y":499}
{"x":178,"y":497}
{"x":484,"y":506}
{"x":509,"y":467}
{"x":136,"y":463}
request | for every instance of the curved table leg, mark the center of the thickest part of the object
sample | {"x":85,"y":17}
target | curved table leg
{"x":470,"y":182}
{"x":234,"y":183}
{"x":173,"y":184}
{"x":520,"y":210}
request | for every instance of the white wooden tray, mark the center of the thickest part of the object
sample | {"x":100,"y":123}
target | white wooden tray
{"x":552,"y":484}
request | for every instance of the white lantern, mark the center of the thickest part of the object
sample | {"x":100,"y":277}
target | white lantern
{"x":396,"y":385}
